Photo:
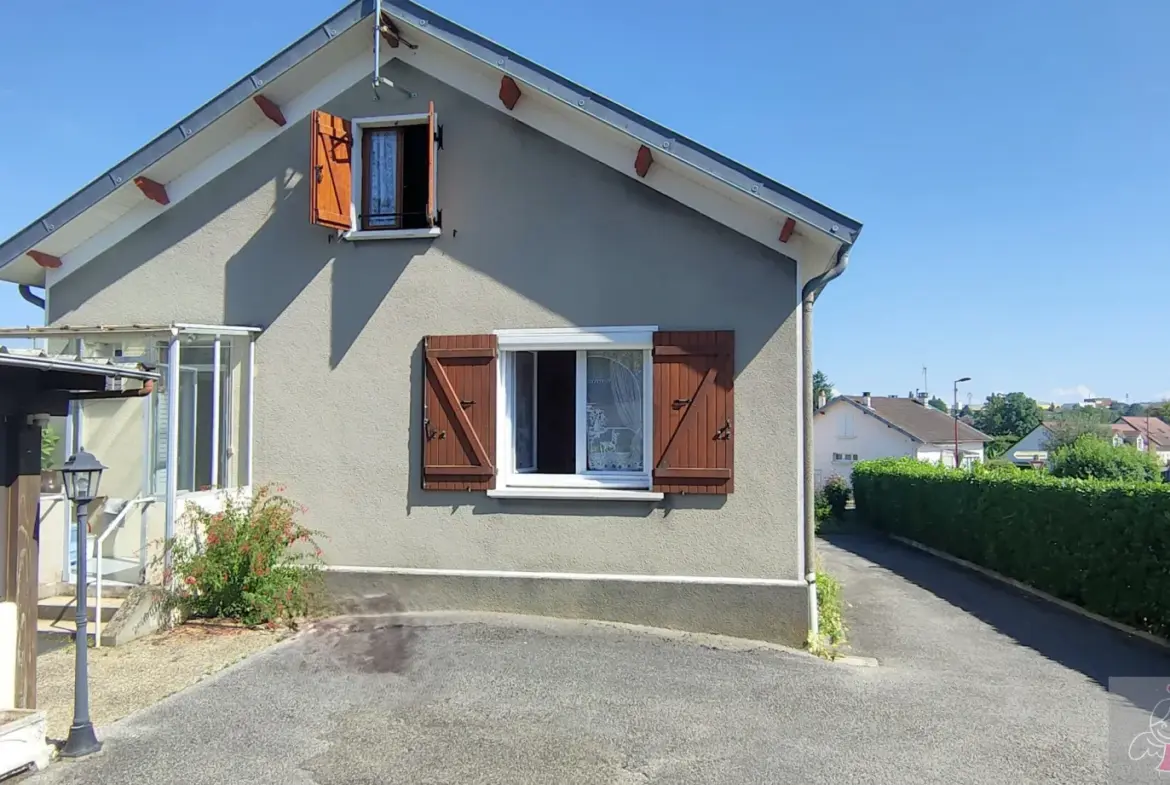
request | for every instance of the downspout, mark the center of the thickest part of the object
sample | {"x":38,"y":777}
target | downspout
{"x":808,"y":296}
{"x":27,"y":293}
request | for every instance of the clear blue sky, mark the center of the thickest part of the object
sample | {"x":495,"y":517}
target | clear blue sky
{"x":1010,"y":160}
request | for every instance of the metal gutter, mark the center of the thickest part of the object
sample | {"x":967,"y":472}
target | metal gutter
{"x":663,"y":140}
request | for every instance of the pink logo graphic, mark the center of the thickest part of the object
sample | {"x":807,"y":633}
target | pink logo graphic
{"x":1155,"y":743}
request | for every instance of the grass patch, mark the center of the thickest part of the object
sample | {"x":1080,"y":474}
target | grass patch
{"x":831,"y":616}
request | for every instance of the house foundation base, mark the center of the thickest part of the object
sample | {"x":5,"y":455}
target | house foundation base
{"x":772,"y":611}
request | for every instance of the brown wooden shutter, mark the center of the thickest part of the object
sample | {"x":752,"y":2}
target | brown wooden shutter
{"x":459,"y":413}
{"x":431,"y":143}
{"x":694,"y":412}
{"x":330,"y":170}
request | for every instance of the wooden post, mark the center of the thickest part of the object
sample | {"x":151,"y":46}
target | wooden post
{"x":21,"y":474}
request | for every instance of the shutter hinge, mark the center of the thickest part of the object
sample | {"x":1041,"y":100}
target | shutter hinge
{"x":439,"y":135}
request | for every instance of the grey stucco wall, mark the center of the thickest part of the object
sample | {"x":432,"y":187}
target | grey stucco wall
{"x":534,"y":235}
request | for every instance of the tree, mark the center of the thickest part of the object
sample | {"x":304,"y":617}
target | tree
{"x":939,"y":404}
{"x":1011,"y":414}
{"x":1092,"y":458}
{"x":1072,"y":424}
{"x":821,"y":384}
{"x":1159,"y":410}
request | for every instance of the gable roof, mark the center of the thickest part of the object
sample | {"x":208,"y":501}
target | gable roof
{"x":924,"y":424}
{"x":1152,"y":427}
{"x":177,"y":149}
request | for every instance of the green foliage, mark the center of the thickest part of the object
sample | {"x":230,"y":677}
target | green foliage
{"x":836,"y":492}
{"x":1091,"y":458}
{"x":252,"y":562}
{"x":1159,"y":410}
{"x":830,"y":616}
{"x":821,"y":384}
{"x":822,"y":510}
{"x":1095,"y":543}
{"x":49,"y":441}
{"x":939,"y":404}
{"x":999,"y":445}
{"x":1068,"y":430}
{"x":1014,"y":413}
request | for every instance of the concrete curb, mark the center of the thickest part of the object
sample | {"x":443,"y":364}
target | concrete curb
{"x":1065,"y":604}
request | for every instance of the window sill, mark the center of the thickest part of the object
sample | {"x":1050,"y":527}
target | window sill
{"x":391,"y":234}
{"x":599,"y":494}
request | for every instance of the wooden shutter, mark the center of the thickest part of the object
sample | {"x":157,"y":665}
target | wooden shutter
{"x":459,"y":413}
{"x":330,"y":170}
{"x":432,"y":143}
{"x":694,"y":413}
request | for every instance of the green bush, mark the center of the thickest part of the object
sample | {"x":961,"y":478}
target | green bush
{"x":830,"y":607}
{"x":822,"y":510}
{"x":837,"y":495}
{"x":1089,"y":457}
{"x":1096,"y":543}
{"x":49,"y":441}
{"x":252,"y":562}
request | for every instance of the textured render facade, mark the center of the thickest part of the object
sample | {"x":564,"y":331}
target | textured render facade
{"x":534,"y":234}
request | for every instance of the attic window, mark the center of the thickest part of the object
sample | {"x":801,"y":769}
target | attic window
{"x":374,"y":178}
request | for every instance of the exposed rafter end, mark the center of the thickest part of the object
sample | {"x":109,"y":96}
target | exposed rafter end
{"x":787,"y":230}
{"x":391,"y":35}
{"x":156,"y":192}
{"x":269,"y":108}
{"x":643,"y":161}
{"x":509,"y":92}
{"x":48,"y":261}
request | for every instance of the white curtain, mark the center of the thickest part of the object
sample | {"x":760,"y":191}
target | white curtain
{"x":383,"y":174}
{"x":615,"y":412}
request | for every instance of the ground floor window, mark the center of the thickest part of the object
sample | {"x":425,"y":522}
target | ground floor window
{"x":576,"y":407}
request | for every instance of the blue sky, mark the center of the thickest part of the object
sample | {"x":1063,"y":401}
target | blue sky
{"x":1011,"y":161}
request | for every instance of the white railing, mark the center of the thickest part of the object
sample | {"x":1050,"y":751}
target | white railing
{"x":97,"y":598}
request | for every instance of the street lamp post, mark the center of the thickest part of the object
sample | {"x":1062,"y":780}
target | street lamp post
{"x":81,"y":476}
{"x":955,"y":412}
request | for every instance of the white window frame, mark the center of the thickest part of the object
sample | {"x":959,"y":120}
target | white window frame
{"x":357,"y":171}
{"x":585,"y":484}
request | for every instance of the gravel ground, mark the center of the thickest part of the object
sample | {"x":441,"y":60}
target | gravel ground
{"x":124,"y":679}
{"x":977,"y":685}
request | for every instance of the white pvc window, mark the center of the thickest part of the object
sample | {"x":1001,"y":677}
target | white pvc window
{"x":575,"y":408}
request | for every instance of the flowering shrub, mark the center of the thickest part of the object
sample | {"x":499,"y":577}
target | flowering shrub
{"x":253,"y":562}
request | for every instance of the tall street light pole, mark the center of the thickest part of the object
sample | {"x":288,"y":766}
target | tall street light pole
{"x":955,"y":412}
{"x":81,"y":475}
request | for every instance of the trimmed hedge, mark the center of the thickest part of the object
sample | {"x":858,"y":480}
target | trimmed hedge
{"x":1099,"y":544}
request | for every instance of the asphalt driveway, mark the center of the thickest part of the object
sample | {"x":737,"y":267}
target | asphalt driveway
{"x":970,"y":690}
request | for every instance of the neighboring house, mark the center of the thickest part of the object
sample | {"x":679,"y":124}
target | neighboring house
{"x":1144,"y":433}
{"x":1032,"y":450}
{"x":485,"y":324}
{"x":853,"y":428}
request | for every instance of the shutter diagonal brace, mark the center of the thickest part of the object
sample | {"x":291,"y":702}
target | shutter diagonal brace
{"x":461,"y":419}
{"x":687,"y":423}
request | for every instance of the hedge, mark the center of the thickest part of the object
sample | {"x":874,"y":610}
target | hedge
{"x":1103,"y":545}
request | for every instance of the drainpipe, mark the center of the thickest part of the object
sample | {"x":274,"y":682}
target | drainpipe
{"x":808,"y":296}
{"x":27,"y":293}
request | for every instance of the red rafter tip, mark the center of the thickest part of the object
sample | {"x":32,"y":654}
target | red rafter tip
{"x":48,"y":261}
{"x":509,"y":92}
{"x":156,"y":192}
{"x":270,"y":109}
{"x":787,"y":230}
{"x":643,"y":160}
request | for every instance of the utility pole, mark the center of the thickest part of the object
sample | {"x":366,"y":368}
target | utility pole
{"x":956,"y":417}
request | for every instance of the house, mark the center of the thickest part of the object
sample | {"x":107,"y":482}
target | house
{"x":1144,"y":433}
{"x":516,"y":347}
{"x":1153,"y":435}
{"x":1032,"y":450}
{"x":853,"y":428}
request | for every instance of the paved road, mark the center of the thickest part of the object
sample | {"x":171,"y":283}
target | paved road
{"x":971,"y":690}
